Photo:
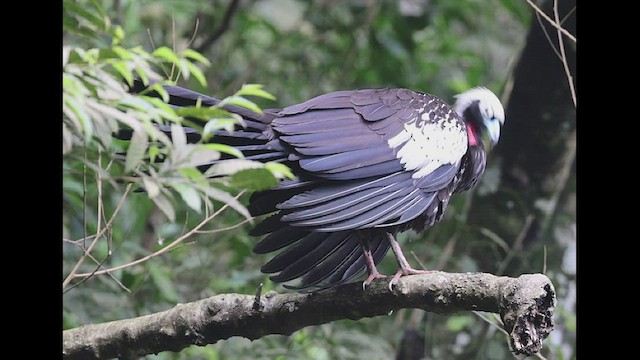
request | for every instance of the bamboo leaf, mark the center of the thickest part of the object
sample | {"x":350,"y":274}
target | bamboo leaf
{"x":167,"y":54}
{"x":162,"y":279}
{"x":279,"y":170}
{"x":189,"y":195}
{"x":196,"y":72}
{"x":165,"y":206}
{"x":136,"y":151}
{"x":122,"y":69}
{"x":160,"y":90}
{"x":191,"y":173}
{"x":184,"y":69}
{"x":122,"y":53}
{"x":253,"y":179}
{"x":242,"y":102}
{"x":151,"y":186}
{"x":118,"y":34}
{"x":202,"y":156}
{"x":101,"y":23}
{"x":216,"y":124}
{"x":194,"y":55}
{"x":217,"y":194}
{"x":178,"y":137}
{"x":81,"y":116}
{"x":223,"y":149}
{"x":231,"y":166}
{"x":255,"y":90}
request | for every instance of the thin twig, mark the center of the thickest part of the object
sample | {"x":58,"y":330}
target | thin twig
{"x":84,"y":199}
{"x":573,"y":9}
{"x":565,"y":64}
{"x":413,"y":253}
{"x":99,"y":263}
{"x":517,"y":244}
{"x":173,"y":46}
{"x":224,"y":26}
{"x":195,"y":32}
{"x":448,"y":252}
{"x":546,"y":34}
{"x":73,"y":272}
{"x":100,"y":198}
{"x":488,"y":321}
{"x":213,"y":231}
{"x":163,"y":250}
{"x":553,"y":23}
{"x":153,"y":45}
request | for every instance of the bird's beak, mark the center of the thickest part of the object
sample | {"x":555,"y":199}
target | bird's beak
{"x":493,"y":130}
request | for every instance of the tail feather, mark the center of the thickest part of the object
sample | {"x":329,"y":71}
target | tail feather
{"x":316,"y":259}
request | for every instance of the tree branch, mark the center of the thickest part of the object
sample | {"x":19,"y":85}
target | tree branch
{"x":221,"y":29}
{"x":526,"y":305}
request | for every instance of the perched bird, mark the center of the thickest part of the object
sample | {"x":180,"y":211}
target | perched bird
{"x":369,"y":164}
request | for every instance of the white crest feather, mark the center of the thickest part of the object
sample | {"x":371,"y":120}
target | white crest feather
{"x":490,"y":105}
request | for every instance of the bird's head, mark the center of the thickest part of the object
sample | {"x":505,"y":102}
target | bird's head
{"x":482,"y":112}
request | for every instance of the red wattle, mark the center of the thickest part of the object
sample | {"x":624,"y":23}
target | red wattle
{"x":471,"y":134}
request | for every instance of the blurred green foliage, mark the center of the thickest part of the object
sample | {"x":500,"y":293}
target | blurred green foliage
{"x":297,"y":49}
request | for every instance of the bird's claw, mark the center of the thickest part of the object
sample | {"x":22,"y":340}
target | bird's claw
{"x":370,"y":279}
{"x":405,"y":272}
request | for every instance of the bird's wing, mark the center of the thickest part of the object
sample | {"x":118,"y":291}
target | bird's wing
{"x":386,"y":152}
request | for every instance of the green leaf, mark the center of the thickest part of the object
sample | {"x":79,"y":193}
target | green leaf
{"x":279,"y":170}
{"x":101,"y":23}
{"x":189,"y":195}
{"x":136,"y":151}
{"x":456,"y":323}
{"x":122,"y":53}
{"x":196,"y":72}
{"x":122,"y":69}
{"x":159,"y":89}
{"x":165,"y":206}
{"x":167,"y":111}
{"x":162,"y":279}
{"x":231,"y":166}
{"x":183,"y":68}
{"x":80,"y":116}
{"x":215,"y":124}
{"x":242,"y":102}
{"x":255,"y":90}
{"x":118,"y":34}
{"x":131,"y":280}
{"x":253,"y":179}
{"x":107,"y":54}
{"x":217,"y":194}
{"x":167,"y":54}
{"x":223,"y":149}
{"x":200,"y":155}
{"x":125,"y":118}
{"x":194,"y":55}
{"x":178,"y":137}
{"x":151,"y":186}
{"x":191,"y":173}
{"x":142,"y":73}
{"x":153,"y":153}
{"x":201,"y":112}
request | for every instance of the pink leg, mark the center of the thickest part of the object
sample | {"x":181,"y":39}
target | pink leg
{"x":405,"y":268}
{"x":369,"y":262}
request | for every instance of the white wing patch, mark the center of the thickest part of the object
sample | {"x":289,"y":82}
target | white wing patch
{"x":423,"y":149}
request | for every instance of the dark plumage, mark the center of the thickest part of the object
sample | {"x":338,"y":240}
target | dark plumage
{"x":369,"y":163}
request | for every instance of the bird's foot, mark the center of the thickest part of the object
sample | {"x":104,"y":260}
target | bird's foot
{"x":371,"y":277}
{"x":406,"y":272}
